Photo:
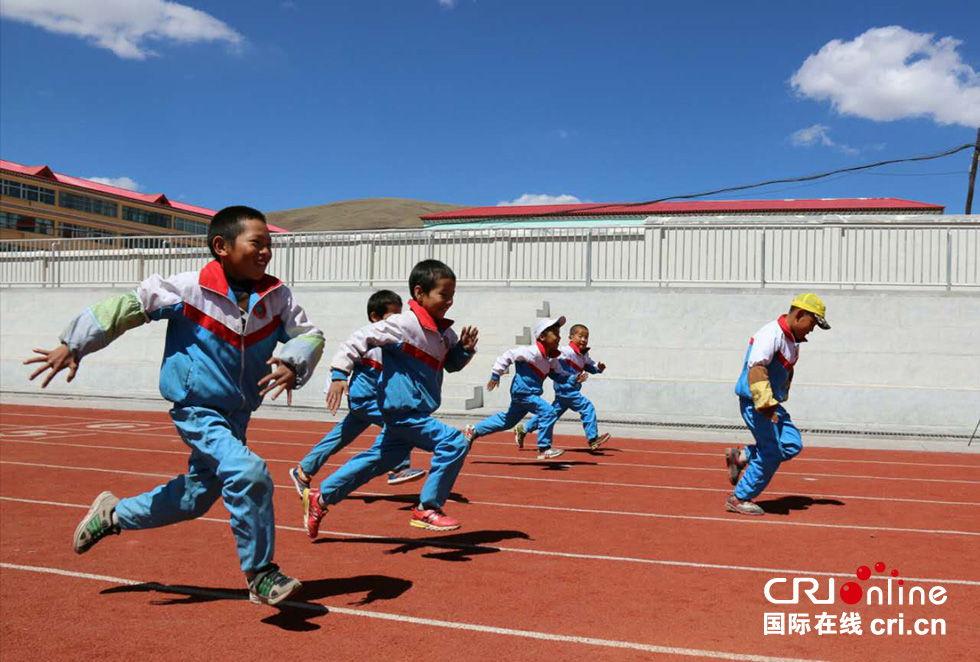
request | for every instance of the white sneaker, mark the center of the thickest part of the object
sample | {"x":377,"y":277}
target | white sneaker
{"x":519,"y":434}
{"x":550,"y":453}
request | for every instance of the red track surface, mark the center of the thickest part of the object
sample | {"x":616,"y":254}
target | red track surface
{"x":624,"y":555}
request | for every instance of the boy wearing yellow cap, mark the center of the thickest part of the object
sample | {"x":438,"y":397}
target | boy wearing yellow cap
{"x":762,"y":388}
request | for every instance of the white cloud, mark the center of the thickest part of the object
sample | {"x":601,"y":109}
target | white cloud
{"x":448,"y":4}
{"x":540,"y":199}
{"x":819,"y":134}
{"x":289,"y":4}
{"x":121,"y":182}
{"x":892,"y":73}
{"x":124,"y":27}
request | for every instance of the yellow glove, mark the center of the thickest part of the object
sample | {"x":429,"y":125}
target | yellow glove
{"x":762,"y":395}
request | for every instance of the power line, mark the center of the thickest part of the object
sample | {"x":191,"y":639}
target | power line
{"x":787,"y":180}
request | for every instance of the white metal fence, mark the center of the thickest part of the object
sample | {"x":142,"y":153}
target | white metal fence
{"x":893,"y":255}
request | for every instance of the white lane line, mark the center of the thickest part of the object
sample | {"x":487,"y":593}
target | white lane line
{"x":329,"y":424}
{"x":522,"y":461}
{"x":451,"y":625}
{"x":730,"y":519}
{"x":545,"y":480}
{"x":447,"y":544}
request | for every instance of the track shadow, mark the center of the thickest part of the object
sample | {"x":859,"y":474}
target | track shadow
{"x":295,"y":615}
{"x":786,"y":504}
{"x":547,"y":465}
{"x":452,"y":547}
{"x":409,"y":499}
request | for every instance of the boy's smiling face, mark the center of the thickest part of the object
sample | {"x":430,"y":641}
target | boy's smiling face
{"x":580,"y":336}
{"x":248,"y":255}
{"x":439,"y":299}
{"x":550,"y":339}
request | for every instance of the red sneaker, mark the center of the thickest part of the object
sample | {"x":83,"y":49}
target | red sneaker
{"x":433,"y":520}
{"x":313,"y":512}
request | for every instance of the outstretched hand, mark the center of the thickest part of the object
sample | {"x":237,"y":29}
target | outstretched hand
{"x":602,"y":367}
{"x":335,"y":395}
{"x":54,"y":359}
{"x":468,"y":337}
{"x":283,"y":378}
{"x":492,"y":384}
{"x":581,"y":377}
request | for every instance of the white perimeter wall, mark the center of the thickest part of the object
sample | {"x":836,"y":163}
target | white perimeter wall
{"x":894,"y":361}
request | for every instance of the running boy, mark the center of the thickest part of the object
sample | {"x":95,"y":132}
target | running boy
{"x":362,"y":401}
{"x":762,"y":388}
{"x":417,"y":347}
{"x":223,"y":324}
{"x":575,"y":360}
{"x":531,"y":365}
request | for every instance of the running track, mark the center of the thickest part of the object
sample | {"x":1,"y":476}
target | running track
{"x":624,"y":555}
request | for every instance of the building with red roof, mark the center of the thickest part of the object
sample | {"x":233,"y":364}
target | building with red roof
{"x":38,"y":203}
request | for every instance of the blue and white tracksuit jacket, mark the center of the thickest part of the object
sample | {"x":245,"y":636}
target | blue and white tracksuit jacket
{"x":775,"y":347}
{"x":416,"y":350}
{"x":214,"y":356}
{"x":531,"y":366}
{"x":362,"y":401}
{"x":568,"y":390}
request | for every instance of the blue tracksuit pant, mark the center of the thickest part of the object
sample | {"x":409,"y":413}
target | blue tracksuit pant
{"x":340,"y":436}
{"x":220,"y":466}
{"x":775,"y":443}
{"x":578,"y":403}
{"x":399,"y":437}
{"x":519,"y":408}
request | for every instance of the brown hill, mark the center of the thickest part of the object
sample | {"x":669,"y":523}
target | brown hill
{"x":362,"y":214}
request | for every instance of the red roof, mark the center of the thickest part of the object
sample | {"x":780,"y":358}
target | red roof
{"x":838,"y":205}
{"x":44,"y":172}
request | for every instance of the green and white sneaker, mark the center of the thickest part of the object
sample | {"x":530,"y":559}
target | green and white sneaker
{"x":97,"y":523}
{"x":519,"y":434}
{"x":270,"y":586}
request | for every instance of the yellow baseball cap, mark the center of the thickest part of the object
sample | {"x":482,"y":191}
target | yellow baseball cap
{"x":810,"y":302}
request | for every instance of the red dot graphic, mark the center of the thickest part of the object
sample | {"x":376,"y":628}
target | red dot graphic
{"x":895,"y":572}
{"x":864,"y":572}
{"x":851,"y":593}
{"x":879,"y":566}
{"x":901,"y":581}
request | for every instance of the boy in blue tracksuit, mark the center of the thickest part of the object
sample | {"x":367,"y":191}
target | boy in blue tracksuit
{"x":532,"y":364}
{"x":577,"y":364}
{"x":362,"y":400}
{"x":223,"y":324}
{"x":417,"y":346}
{"x":762,"y":388}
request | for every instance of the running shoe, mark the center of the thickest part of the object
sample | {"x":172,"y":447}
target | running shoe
{"x":736,"y":505}
{"x":405,"y":476}
{"x":97,"y":523}
{"x":550,"y":453}
{"x":313,"y":512}
{"x":433,"y":519}
{"x":298,"y":481}
{"x":271,"y":586}
{"x":519,"y":434}
{"x":598,"y":441}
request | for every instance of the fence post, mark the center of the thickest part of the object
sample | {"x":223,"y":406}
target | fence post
{"x":292,"y":260}
{"x":588,"y":259}
{"x":56,"y":262}
{"x":371,"y":248}
{"x":762,"y":263}
{"x":840,"y":259}
{"x":661,"y":249}
{"x":507,"y":258}
{"x":949,"y":259}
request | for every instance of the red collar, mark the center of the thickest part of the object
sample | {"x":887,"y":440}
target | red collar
{"x":786,"y":330}
{"x":577,"y":349}
{"x":426,"y":319}
{"x":544,"y":352}
{"x":213,"y":278}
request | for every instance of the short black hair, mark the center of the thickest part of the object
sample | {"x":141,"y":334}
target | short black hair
{"x":227,"y":224}
{"x":576,"y":327}
{"x":379,"y":302}
{"x":427,"y":274}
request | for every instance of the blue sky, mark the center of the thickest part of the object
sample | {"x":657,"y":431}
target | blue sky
{"x":288,"y":104}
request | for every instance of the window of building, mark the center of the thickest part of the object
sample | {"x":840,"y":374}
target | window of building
{"x":26,"y":223}
{"x":70,"y":231}
{"x":88,"y":204}
{"x":146,"y":217}
{"x":27,"y":191}
{"x":189,"y":226}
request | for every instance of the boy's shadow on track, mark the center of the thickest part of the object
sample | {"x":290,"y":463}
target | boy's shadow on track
{"x":452,"y":547}
{"x":786,"y":504}
{"x":294,"y":615}
{"x":409,"y":499}
{"x":547,"y":465}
